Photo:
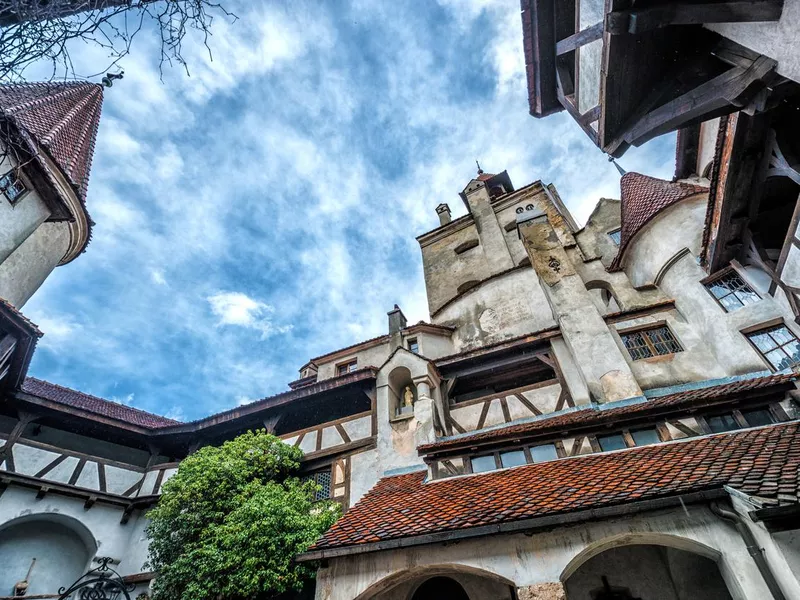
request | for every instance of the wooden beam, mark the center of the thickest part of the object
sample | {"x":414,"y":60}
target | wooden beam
{"x":736,"y":11}
{"x":725,"y":90}
{"x":576,"y":40}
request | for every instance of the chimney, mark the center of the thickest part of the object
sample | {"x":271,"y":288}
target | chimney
{"x":444,"y":213}
{"x":397,"y":320}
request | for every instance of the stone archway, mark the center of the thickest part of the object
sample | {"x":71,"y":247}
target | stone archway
{"x":440,"y":588}
{"x":441,"y":582}
{"x":656,"y":569}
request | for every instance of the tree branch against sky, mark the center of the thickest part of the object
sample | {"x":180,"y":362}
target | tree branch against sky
{"x":41,"y":31}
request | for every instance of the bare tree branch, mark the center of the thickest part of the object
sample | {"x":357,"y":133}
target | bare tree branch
{"x":44,"y":30}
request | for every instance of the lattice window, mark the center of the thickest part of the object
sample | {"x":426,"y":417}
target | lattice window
{"x":322,"y":479}
{"x":646,"y":343}
{"x":731,"y":291}
{"x":12,"y":187}
{"x":778,"y":345}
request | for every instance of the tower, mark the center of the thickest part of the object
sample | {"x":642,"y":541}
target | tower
{"x":47,"y":137}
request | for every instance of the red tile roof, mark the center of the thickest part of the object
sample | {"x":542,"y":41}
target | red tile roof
{"x":761,"y":462}
{"x":594,"y":417}
{"x":642,"y":199}
{"x":100,"y":406}
{"x":63,"y":118}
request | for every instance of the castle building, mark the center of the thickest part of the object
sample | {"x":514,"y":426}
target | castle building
{"x":598,"y":412}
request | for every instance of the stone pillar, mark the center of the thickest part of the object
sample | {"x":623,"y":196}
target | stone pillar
{"x":603,"y":365}
{"x":543,"y":591}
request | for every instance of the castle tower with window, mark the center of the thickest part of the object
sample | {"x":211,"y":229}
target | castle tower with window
{"x":47,"y":137}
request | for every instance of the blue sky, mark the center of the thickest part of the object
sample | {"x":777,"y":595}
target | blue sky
{"x":263,"y":210}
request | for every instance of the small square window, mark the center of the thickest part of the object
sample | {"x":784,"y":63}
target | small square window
{"x":481,"y":464}
{"x":615,"y":235}
{"x":413,"y":346}
{"x":731,"y":291}
{"x":611,"y":442}
{"x":348,"y":367}
{"x":544,"y":453}
{"x":722,"y":423}
{"x":654,"y":341}
{"x":645,"y":437}
{"x":758,"y":417}
{"x":514,"y":458}
{"x":12,"y":187}
{"x":778,"y":345}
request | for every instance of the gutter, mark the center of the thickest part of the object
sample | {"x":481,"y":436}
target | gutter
{"x":753,"y":549}
{"x":522,"y":526}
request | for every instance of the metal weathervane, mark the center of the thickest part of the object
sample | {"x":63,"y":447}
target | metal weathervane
{"x":100,"y":583}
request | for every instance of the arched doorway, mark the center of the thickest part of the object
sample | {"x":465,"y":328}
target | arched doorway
{"x":646,"y":572}
{"x":440,"y":588}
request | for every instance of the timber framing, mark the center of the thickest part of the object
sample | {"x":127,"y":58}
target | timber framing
{"x":594,"y":420}
{"x":661,"y":71}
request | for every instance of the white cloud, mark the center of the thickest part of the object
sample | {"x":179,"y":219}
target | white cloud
{"x":236,"y":308}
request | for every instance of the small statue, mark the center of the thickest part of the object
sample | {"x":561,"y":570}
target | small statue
{"x":408,"y":397}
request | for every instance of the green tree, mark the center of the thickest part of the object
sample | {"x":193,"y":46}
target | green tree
{"x":231,"y":520}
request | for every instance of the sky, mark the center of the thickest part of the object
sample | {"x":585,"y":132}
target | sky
{"x":263,"y":209}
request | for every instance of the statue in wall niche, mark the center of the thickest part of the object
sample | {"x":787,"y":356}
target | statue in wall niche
{"x":408,"y":397}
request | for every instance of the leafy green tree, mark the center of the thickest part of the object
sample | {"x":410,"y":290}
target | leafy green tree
{"x":231,"y":520}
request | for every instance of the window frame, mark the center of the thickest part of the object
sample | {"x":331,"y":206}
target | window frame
{"x":611,"y":234}
{"x":20,"y":177}
{"x":345,"y":365}
{"x":765,"y":327}
{"x":312,"y":476}
{"x":722,"y":273}
{"x":414,"y":341}
{"x":648,"y":342}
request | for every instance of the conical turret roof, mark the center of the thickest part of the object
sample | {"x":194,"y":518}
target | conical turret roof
{"x":60,"y":117}
{"x":642,"y":198}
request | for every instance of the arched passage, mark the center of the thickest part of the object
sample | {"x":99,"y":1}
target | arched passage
{"x":441,"y":582}
{"x":61,"y":546}
{"x":658,"y":568}
{"x":439,"y":588}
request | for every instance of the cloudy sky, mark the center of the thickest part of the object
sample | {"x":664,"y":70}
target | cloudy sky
{"x":263,"y":210}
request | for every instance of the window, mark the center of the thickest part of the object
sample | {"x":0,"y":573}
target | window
{"x":722,"y":423}
{"x":731,"y":291}
{"x":481,"y":464}
{"x":615,"y":235}
{"x":757,"y":417}
{"x":544,"y":453}
{"x":645,"y":437}
{"x":646,"y":343}
{"x":413,"y":346}
{"x":611,"y":442}
{"x":323,"y":480}
{"x":12,"y":186}
{"x":778,"y":345}
{"x":514,"y":458}
{"x":345,"y":368}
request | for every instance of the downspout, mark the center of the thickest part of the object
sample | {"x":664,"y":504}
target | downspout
{"x":753,"y":549}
